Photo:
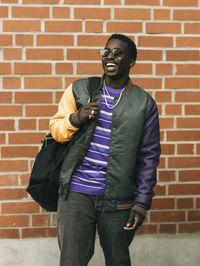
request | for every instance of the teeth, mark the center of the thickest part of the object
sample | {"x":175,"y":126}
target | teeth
{"x":110,"y":64}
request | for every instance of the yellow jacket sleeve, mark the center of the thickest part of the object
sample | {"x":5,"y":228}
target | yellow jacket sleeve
{"x":60,"y":127}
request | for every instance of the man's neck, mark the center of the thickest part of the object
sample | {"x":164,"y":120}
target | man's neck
{"x":116,"y":84}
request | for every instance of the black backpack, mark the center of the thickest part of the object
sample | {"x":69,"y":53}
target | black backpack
{"x":44,"y":179}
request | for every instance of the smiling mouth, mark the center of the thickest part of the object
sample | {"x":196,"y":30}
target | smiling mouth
{"x":111,"y":66}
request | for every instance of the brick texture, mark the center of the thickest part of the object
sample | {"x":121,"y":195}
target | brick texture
{"x":47,"y":44}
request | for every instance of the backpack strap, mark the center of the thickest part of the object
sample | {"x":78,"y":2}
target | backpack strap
{"x":94,"y":83}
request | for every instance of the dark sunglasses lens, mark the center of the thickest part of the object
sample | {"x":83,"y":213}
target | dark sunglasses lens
{"x":104,"y":52}
{"x":117,"y":52}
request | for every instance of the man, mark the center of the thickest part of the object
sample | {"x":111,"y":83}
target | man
{"x":108,"y":175}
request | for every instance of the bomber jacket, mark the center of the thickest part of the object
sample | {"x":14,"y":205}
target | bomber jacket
{"x":134,"y":145}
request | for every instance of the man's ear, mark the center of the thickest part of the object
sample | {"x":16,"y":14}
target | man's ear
{"x":132,"y":63}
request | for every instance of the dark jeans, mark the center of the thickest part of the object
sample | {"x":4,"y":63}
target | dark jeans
{"x":78,"y":217}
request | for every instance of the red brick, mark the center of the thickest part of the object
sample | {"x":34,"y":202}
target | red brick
{"x":163,"y":96}
{"x":20,"y":207}
{"x":2,"y":138}
{"x":189,"y":69}
{"x":13,"y":166}
{"x":167,"y":216}
{"x":163,"y":69}
{"x":185,"y":135}
{"x":40,"y":110}
{"x":194,"y":215}
{"x":166,"y":122}
{"x":92,"y":68}
{"x":6,"y":40}
{"x":155,"y":41}
{"x":8,"y":180}
{"x":149,"y":55}
{"x":112,"y":2}
{"x":39,"y":232}
{"x":63,"y":26}
{"x":5,"y":68}
{"x":30,"y":12}
{"x":68,"y":81}
{"x":132,"y":13}
{"x":124,"y":27}
{"x":16,"y":152}
{"x":40,"y":219}
{"x":182,"y":55}
{"x":182,"y":83}
{"x":83,"y":54}
{"x":40,"y":2}
{"x":61,"y":12}
{"x":11,"y":83}
{"x":21,"y":25}
{"x":188,"y":96}
{"x":55,"y":40}
{"x":12,"y":53}
{"x":3,"y":11}
{"x":189,"y":228}
{"x":5,"y":97}
{"x":188,"y":122}
{"x":12,"y":193}
{"x":25,"y":138}
{"x":24,"y":39}
{"x":24,"y":179}
{"x":9,"y":1}
{"x":189,"y":175}
{"x":147,"y":229}
{"x":42,"y":82}
{"x":191,"y":28}
{"x":94,"y":26}
{"x":198,"y":202}
{"x":14,"y":220}
{"x":27,"y":124}
{"x":43,"y":124}
{"x":166,"y":175}
{"x":167,"y":228}
{"x":184,"y":189}
{"x":44,"y":54}
{"x":183,"y":162}
{"x":173,"y":109}
{"x":160,"y":190}
{"x":185,"y":148}
{"x":186,"y":14}
{"x":96,"y":40}
{"x":163,"y":203}
{"x":188,"y":42}
{"x":32,"y":68}
{"x":167,"y":148}
{"x":162,"y":14}
{"x":92,"y":13}
{"x":9,"y":233}
{"x":141,"y":69}
{"x":185,"y":203}
{"x":163,"y":28}
{"x":7,"y":124}
{"x":33,"y":97}
{"x":80,"y":2}
{"x":180,"y":3}
{"x":149,"y":83}
{"x":9,"y":111}
{"x":64,"y":68}
{"x":143,"y":2}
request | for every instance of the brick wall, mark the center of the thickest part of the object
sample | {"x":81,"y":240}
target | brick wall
{"x":46,"y":44}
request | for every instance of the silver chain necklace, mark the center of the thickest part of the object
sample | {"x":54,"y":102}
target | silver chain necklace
{"x":106,"y":91}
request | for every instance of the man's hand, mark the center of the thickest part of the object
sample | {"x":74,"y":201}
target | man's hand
{"x":134,"y":222}
{"x":88,"y":111}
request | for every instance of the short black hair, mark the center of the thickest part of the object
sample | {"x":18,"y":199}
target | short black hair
{"x":131,"y":45}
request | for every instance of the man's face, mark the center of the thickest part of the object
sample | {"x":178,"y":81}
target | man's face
{"x":117,"y":66}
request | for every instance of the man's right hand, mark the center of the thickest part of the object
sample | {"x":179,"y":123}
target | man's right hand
{"x":88,"y":111}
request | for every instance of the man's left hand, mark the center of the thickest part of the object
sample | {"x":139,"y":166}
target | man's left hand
{"x":134,"y":222}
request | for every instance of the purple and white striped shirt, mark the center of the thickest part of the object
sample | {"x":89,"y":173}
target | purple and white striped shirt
{"x":89,"y":177}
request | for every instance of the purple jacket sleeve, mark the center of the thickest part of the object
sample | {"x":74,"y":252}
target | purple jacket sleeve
{"x":148,"y":158}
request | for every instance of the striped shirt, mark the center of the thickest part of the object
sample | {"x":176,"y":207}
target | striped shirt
{"x":90,"y":176}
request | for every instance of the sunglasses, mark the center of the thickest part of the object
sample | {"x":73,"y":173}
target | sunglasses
{"x":115,"y":52}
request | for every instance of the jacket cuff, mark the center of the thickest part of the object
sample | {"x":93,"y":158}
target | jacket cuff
{"x":74,"y":119}
{"x":140,"y":209}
